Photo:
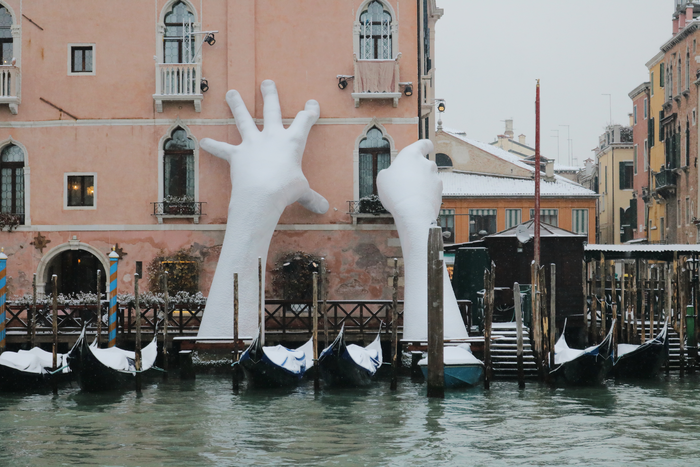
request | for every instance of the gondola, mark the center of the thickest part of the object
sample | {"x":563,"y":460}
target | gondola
{"x":31,"y":370}
{"x":642,"y":361}
{"x":461,"y":368}
{"x":112,"y":368}
{"x":585,"y":367}
{"x":349,"y":365}
{"x":274,"y":366}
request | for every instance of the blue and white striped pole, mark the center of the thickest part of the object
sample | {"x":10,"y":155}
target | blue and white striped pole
{"x":3,"y":295}
{"x":113,"y":267}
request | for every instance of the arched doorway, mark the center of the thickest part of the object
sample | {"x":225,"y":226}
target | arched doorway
{"x":76,"y":271}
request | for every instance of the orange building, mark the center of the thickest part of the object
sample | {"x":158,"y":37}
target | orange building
{"x":487,"y":190}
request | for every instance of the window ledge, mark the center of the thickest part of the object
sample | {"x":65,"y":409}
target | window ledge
{"x":195,"y":98}
{"x":194,"y":217}
{"x":376,"y":95}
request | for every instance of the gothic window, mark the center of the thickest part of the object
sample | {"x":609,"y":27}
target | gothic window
{"x":375,"y":33}
{"x":178,"y":167}
{"x":12,"y":180}
{"x":375,"y":155}
{"x":178,"y":42}
{"x":6,"y":46}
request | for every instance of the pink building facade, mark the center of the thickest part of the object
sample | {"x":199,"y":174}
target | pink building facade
{"x":640,"y":164}
{"x":99,"y":129}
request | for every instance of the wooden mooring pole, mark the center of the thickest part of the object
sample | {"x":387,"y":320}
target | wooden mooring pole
{"x":317,"y":382}
{"x":682,"y":303}
{"x":604,"y":308}
{"x":137,"y":350}
{"x":536,"y":319}
{"x":436,"y":349}
{"x":32,"y":322}
{"x":552,"y":312}
{"x":586,"y":293}
{"x":261,"y":301}
{"x":54,"y":323}
{"x":488,"y":322}
{"x":235,"y":333}
{"x":324,"y":294}
{"x":519,"y":330}
{"x":395,"y":327}
{"x":98,"y":312}
{"x":166,"y":320}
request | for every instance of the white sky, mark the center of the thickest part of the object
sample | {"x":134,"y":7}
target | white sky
{"x":489,"y":54}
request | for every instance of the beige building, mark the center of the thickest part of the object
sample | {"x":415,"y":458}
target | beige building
{"x":614,"y":158}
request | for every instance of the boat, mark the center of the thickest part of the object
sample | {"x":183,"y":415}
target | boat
{"x":31,"y":370}
{"x":275,"y":366}
{"x":461,"y":367}
{"x":112,"y":368}
{"x":585,"y":367}
{"x":349,"y":365}
{"x":642,"y":361}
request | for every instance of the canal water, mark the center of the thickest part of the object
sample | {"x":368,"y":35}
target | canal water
{"x":203,"y":423}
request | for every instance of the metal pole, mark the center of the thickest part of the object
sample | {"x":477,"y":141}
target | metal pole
{"x":436,"y":349}
{"x":394,"y":328}
{"x":536,"y":225}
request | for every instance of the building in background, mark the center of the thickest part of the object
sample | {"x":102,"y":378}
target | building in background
{"x":614,"y":158}
{"x":654,"y":204}
{"x":100,"y":130}
{"x":641,"y":126}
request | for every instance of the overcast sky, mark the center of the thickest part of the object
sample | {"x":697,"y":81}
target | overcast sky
{"x":490,"y":53}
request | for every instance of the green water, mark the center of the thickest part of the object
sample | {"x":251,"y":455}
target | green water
{"x":203,"y":423}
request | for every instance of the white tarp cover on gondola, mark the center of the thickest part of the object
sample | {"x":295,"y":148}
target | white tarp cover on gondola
{"x":291,"y":360}
{"x":455,"y":355}
{"x":123,"y":360}
{"x":35,"y":360}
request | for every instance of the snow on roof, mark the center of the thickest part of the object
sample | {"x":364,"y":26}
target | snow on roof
{"x":566,"y":168}
{"x":463,"y":184}
{"x":655,"y":248}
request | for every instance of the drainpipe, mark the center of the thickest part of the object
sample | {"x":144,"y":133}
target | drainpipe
{"x":419,"y":81}
{"x":612,"y":214}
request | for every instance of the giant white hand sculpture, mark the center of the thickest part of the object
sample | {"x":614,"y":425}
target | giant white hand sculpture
{"x":266,"y":177}
{"x":411,"y":191}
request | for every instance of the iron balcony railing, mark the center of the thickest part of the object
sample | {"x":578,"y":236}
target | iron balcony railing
{"x":366,"y":206}
{"x":183,"y":208}
{"x":665,"y":178}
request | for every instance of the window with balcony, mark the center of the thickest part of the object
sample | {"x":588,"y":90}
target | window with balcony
{"x":375,"y":155}
{"x":12,"y":182}
{"x":376,"y":58}
{"x":10,"y":48}
{"x":178,"y":67}
{"x":80,"y":191}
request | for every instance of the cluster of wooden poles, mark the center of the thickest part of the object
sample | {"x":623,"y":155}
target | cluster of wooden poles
{"x":645,"y":293}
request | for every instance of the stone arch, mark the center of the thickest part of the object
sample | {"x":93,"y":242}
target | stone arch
{"x":161,"y":154}
{"x":74,"y":244}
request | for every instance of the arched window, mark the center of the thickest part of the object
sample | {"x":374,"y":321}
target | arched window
{"x":443,"y":160}
{"x":12,"y":181}
{"x":375,"y":32}
{"x":178,"y":43}
{"x":6,"y":44}
{"x":375,"y":155}
{"x":178,"y":167}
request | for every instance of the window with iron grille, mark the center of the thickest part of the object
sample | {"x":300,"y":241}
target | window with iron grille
{"x":12,"y":180}
{"x":375,"y":33}
{"x":178,"y":45}
{"x":6,"y":45}
{"x":178,"y":167}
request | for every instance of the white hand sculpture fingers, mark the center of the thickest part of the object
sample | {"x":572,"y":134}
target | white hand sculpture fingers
{"x":217,"y":148}
{"x":314,"y":202}
{"x":422,"y":148}
{"x":272,"y":112}
{"x":306,"y":118}
{"x":244,"y":122}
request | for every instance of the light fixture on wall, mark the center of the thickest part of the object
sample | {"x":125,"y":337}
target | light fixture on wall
{"x":407,"y":88}
{"x":204,"y":85}
{"x":440,"y":105}
{"x":210,"y":39}
{"x":343,"y":80}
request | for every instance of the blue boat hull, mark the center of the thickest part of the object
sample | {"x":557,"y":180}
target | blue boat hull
{"x":460,"y":376}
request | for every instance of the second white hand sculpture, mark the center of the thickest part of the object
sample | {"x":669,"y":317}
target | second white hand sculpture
{"x":411,"y":191}
{"x":266,"y":177}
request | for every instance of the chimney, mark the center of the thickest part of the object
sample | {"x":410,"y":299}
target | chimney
{"x":675,"y":25}
{"x":549,"y":170}
{"x":681,"y":21}
{"x":521,"y":140}
{"x":631,"y":116}
{"x":688,"y":13}
{"x":509,"y":128}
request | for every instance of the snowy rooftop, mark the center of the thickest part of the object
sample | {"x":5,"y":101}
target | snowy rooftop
{"x":627,"y":251}
{"x":462,"y":184}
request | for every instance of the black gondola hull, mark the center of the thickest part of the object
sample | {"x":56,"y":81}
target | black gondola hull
{"x":642,"y":363}
{"x":585,"y":370}
{"x":265,"y":374}
{"x":337,"y":367}
{"x":14,"y":380}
